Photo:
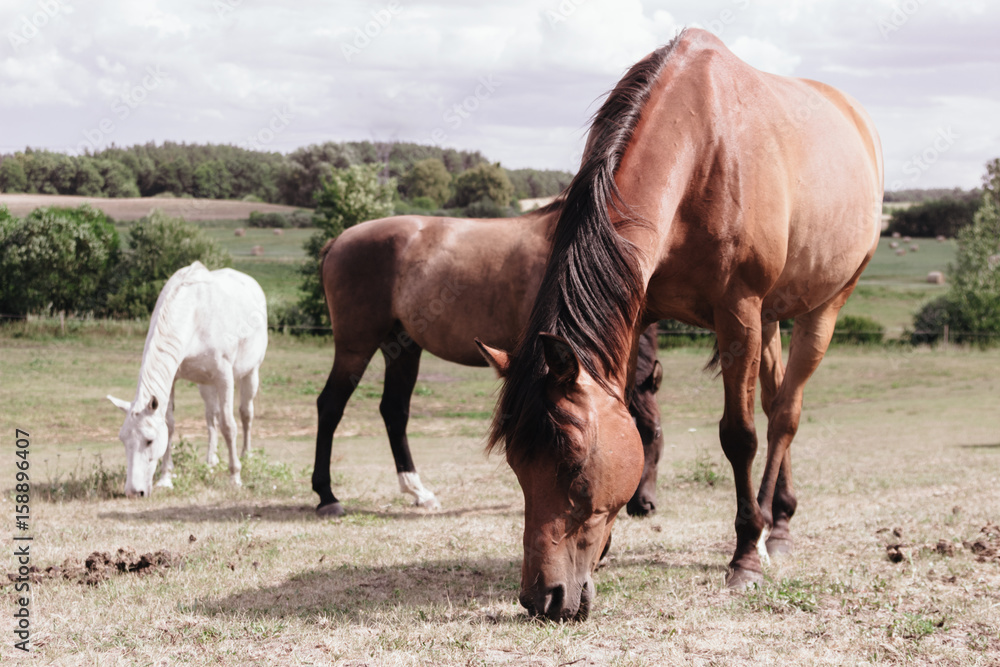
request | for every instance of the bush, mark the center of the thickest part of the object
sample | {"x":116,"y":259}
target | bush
{"x":487,"y":208}
{"x":930,"y":321}
{"x":424,"y":203}
{"x":484,"y":181}
{"x":158,"y":245}
{"x":299,"y":219}
{"x":940,"y":217}
{"x":57,"y":259}
{"x":267,"y":220}
{"x":858,"y":330}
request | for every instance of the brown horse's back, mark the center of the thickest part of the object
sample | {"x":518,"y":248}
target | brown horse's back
{"x":445,"y":281}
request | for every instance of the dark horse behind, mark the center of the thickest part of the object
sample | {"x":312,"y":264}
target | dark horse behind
{"x":411,"y":283}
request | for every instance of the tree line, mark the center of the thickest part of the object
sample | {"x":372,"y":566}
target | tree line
{"x":220,"y":171}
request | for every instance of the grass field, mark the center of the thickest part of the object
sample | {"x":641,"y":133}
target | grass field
{"x":894,"y":448}
{"x":138,"y":207}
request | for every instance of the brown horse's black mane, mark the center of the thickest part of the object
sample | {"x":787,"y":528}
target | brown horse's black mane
{"x":592,"y":289}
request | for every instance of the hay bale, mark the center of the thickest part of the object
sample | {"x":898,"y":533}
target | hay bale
{"x":239,"y":231}
{"x":895,"y":235}
{"x":941,"y":238}
{"x":907,"y":239}
{"x":901,"y":252}
{"x":257,"y":250}
{"x":278,"y":231}
{"x":935,"y":278}
{"x":894,"y":244}
{"x":914,"y":248}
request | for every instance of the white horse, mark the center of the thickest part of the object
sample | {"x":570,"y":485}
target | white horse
{"x":209,"y":327}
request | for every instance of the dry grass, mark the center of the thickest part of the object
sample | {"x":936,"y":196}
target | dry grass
{"x":904,"y":442}
{"x":134,"y":208}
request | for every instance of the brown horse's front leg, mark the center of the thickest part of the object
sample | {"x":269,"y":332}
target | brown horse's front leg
{"x":739,"y":337}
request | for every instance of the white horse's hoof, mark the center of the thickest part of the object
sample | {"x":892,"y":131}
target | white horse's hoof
{"x":235,"y":479}
{"x":165,"y":483}
{"x":429,"y":503}
{"x":212,"y":460}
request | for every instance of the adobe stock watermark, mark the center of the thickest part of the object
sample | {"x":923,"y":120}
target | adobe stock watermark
{"x":563,"y":11}
{"x":363,"y":35}
{"x":279,"y":121}
{"x":726,"y":17}
{"x":918,"y":164}
{"x":899,"y":16}
{"x":459,"y":112}
{"x":30,"y":25}
{"x":122,"y":108}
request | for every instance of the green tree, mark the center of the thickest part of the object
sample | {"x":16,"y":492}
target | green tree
{"x":428,"y":178}
{"x":12,"y":176}
{"x":971,"y":309}
{"x":937,"y":217}
{"x":158,"y":245}
{"x":347,"y":197}
{"x":212,"y":180}
{"x":119,"y":180}
{"x":56,"y":258}
{"x":484,"y":181}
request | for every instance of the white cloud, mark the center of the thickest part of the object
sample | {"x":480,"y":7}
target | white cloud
{"x":554,"y":60}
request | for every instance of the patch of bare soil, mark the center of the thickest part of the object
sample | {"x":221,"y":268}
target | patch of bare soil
{"x":100,"y":566}
{"x":986,"y":546}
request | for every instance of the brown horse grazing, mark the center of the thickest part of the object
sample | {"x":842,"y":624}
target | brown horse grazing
{"x":711,"y":193}
{"x":405,"y":284}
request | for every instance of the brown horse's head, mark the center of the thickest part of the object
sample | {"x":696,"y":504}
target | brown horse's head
{"x":574,"y":488}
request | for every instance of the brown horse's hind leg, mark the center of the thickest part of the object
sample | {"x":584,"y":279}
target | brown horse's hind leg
{"x":810,"y":338}
{"x":772,"y":373}
{"x":348,"y":368}
{"x":739,"y":335}
{"x":402,"y":364}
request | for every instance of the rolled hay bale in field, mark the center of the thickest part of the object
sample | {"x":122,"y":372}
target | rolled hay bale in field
{"x":914,"y":248}
{"x":907,"y":239}
{"x":239,"y":231}
{"x":901,"y":252}
{"x":278,"y":231}
{"x":941,"y":238}
{"x":935,"y":278}
{"x":895,"y":235}
{"x":257,"y":250}
{"x":894,"y":244}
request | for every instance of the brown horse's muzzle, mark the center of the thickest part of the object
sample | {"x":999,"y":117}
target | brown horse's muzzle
{"x":564,"y":601}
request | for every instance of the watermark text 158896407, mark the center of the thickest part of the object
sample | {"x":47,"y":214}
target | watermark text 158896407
{"x":22,"y":541}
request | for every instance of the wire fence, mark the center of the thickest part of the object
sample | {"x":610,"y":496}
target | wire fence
{"x":670,"y":337}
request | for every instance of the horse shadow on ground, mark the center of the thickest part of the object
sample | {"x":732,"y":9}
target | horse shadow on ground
{"x":983,"y":446}
{"x":477,"y":590}
{"x":357,"y":593}
{"x":290,"y":511}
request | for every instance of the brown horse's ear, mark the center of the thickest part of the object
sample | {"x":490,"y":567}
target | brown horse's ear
{"x":559,"y":355}
{"x":656,"y":379}
{"x":498,"y":359}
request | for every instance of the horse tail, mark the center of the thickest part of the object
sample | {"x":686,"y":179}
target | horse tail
{"x":716,"y":361}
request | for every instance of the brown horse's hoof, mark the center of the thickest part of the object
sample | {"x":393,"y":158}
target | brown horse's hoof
{"x":740,"y":579}
{"x":779,"y":546}
{"x":331,"y":510}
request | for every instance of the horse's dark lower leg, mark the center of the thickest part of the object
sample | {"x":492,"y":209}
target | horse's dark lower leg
{"x":782,"y":509}
{"x":344,"y":377}
{"x":402,"y":364}
{"x":740,"y":348}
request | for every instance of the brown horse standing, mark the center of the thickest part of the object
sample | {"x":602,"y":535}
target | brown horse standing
{"x":405,"y":284}
{"x":717,"y":195}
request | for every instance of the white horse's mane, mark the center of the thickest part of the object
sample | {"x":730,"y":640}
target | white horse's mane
{"x":163,"y":350}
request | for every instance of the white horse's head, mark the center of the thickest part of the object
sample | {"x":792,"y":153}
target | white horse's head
{"x":145,"y":436}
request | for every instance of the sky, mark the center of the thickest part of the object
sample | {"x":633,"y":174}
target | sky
{"x":517,"y":80}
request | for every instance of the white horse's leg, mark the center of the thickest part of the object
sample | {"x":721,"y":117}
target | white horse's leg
{"x":166,"y":480}
{"x":227,"y":422}
{"x":248,"y":390}
{"x":211,"y":398}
